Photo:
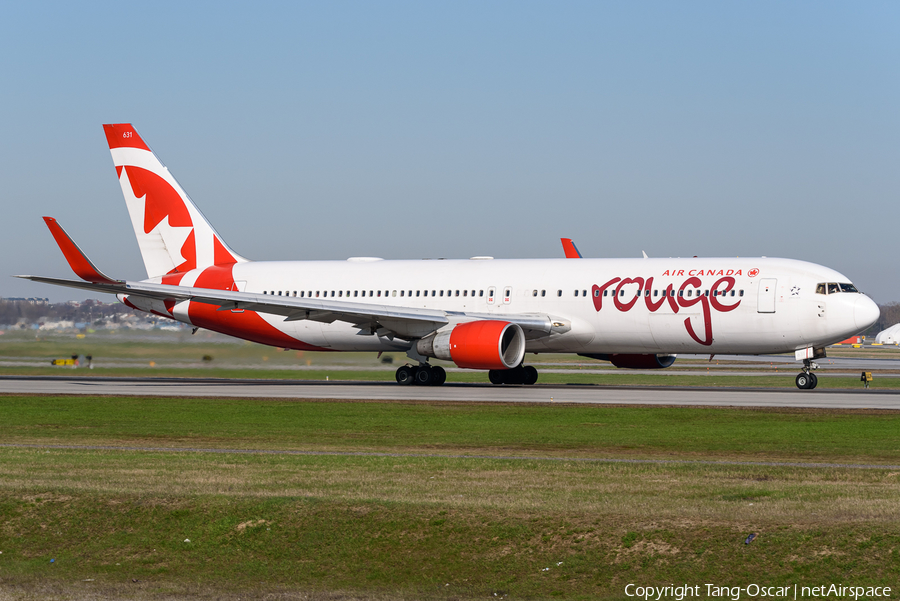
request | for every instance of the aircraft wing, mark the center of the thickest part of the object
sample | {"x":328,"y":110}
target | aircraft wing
{"x":385,"y":320}
{"x":404,"y":322}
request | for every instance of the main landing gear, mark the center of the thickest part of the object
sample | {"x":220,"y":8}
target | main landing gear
{"x":524,"y":374}
{"x":422,"y":375}
{"x":806,"y":380}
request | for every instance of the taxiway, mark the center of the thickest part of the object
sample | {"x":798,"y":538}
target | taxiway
{"x":607,"y":395}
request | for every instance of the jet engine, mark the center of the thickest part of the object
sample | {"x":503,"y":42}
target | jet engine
{"x":477,"y":345}
{"x":635,"y":361}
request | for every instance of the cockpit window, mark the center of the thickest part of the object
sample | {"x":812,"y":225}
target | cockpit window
{"x":834,"y":288}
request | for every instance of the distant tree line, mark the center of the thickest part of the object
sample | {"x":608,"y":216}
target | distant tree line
{"x":89,"y":311}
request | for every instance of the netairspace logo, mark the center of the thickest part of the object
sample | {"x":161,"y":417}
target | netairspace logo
{"x":735,"y":593}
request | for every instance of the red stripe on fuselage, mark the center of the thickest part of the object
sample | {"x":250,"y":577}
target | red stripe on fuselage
{"x":248,"y":325}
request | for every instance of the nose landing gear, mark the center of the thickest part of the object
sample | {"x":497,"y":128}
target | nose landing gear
{"x":807,"y":380}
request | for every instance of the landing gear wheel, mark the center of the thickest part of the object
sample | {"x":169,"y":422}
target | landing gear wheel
{"x":440,"y":376}
{"x":497,"y":376}
{"x":405,"y":375}
{"x":425,"y":376}
{"x":531,"y":375}
{"x":813,"y":381}
{"x":803,"y":381}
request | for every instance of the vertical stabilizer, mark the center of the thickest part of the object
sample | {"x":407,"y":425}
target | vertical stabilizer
{"x":174,"y":237}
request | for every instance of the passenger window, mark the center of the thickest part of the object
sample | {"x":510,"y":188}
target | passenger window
{"x":432,"y":293}
{"x":473,"y":293}
{"x":559,"y":293}
{"x":732,"y":293}
{"x":621,"y":293}
{"x":481,"y":293}
{"x":340,"y":293}
{"x":742,"y":293}
{"x":401,"y":293}
{"x":457,"y":293}
{"x":317,"y":294}
{"x":689,"y":292}
{"x":355,"y":293}
{"x":442,"y":293}
{"x":576,"y":293}
{"x":543,"y":293}
{"x":395,"y":293}
{"x":604,"y":292}
{"x":534,"y":293}
{"x":379,"y":293}
{"x":584,"y":293}
{"x":332,"y":294}
{"x":465,"y":293}
{"x":680,"y":293}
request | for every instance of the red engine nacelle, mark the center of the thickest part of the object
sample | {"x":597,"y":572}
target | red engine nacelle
{"x":477,"y":345}
{"x":635,"y":361}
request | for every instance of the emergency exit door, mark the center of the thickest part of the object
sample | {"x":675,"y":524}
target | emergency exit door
{"x":766,"y":299}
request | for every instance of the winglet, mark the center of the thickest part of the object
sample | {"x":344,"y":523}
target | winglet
{"x":569,"y":248}
{"x":78,"y":261}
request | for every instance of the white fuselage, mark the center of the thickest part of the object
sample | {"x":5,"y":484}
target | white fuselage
{"x":664,"y":306}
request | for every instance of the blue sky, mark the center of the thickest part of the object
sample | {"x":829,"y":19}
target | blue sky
{"x":409,"y":130}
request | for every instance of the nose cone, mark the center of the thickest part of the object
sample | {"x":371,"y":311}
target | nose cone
{"x":865,"y":312}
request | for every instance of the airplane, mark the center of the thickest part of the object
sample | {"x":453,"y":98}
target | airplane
{"x":480,"y":313}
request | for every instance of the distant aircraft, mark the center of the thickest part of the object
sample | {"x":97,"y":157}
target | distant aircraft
{"x":479,"y":313}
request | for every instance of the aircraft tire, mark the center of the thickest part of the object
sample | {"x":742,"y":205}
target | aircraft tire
{"x":440,"y":375}
{"x":813,"y":381}
{"x":803,"y":381}
{"x":405,"y":375}
{"x":425,"y":376}
{"x":531,"y":375}
{"x":497,"y":376}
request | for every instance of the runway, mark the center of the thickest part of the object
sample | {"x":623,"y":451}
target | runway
{"x":601,"y":395}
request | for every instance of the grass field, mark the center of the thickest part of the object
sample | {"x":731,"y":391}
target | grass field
{"x":435,"y":500}
{"x":179,"y":354}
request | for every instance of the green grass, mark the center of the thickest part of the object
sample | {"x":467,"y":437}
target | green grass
{"x":577,"y":430}
{"x":404,"y":526}
{"x":412,"y":551}
{"x":130,"y":354}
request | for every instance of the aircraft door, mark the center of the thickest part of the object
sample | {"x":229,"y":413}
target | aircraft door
{"x":766,"y":298}
{"x":492,"y":292}
{"x":507,"y":295}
